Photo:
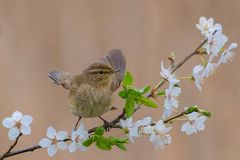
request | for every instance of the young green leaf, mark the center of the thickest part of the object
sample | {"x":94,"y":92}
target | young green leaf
{"x":144,"y":89}
{"x":128,"y":79}
{"x":123,"y":94}
{"x":147,"y":102}
{"x":133,"y":92}
{"x":192,"y":109}
{"x":206,"y":113}
{"x":88,"y":142}
{"x":121,"y":146}
{"x":161,"y":93}
{"x":129,"y":106}
{"x":99,"y":131}
{"x":103,"y":143}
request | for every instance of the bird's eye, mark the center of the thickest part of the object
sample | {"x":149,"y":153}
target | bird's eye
{"x":101,"y":72}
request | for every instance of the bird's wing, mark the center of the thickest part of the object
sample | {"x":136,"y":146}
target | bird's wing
{"x":116,"y":60}
{"x":62,"y":79}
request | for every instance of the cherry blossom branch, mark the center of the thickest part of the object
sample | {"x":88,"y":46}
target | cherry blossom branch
{"x":176,"y":67}
{"x":113,"y":123}
{"x":12,"y":146}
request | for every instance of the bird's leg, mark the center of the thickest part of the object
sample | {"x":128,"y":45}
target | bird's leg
{"x":76,"y":125}
{"x":107,"y":125}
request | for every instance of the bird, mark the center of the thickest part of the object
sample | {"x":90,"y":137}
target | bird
{"x":91,"y":92}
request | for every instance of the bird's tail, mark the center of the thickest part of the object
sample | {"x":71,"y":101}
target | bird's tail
{"x":62,"y":79}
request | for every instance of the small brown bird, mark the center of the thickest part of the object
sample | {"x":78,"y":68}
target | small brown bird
{"x":91,"y":91}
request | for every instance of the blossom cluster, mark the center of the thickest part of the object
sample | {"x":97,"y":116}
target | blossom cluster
{"x":212,"y":53}
{"x":158,"y":132}
{"x":57,"y":140}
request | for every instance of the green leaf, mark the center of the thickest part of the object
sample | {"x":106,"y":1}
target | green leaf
{"x":147,"y":102}
{"x":192,"y":109}
{"x":161,"y":93}
{"x":123,"y":94}
{"x":128,"y":79}
{"x":133,"y":92}
{"x":88,"y":142}
{"x":144,"y":89}
{"x":206,"y":113}
{"x":129,"y":106}
{"x":103,"y":143}
{"x":99,"y":131}
{"x":122,"y":140}
{"x":121,"y":146}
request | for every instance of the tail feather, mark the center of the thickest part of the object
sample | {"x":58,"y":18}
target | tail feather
{"x":62,"y":79}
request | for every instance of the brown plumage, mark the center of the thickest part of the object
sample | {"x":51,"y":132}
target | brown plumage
{"x":91,"y":91}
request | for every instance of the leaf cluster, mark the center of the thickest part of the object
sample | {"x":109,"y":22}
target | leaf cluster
{"x":134,"y":96}
{"x":105,"y":143}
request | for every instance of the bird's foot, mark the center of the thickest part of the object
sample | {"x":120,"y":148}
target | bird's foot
{"x":107,"y":125}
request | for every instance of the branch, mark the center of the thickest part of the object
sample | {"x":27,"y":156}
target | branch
{"x":152,"y":93}
{"x":113,"y":123}
{"x":12,"y":146}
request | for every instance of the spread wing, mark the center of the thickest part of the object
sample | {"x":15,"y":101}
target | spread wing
{"x":61,"y":78}
{"x":116,"y":60}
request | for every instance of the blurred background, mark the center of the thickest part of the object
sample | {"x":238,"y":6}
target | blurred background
{"x":39,"y":36}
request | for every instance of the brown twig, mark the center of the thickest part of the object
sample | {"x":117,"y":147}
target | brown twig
{"x":12,"y":146}
{"x":152,"y":94}
{"x":113,"y":123}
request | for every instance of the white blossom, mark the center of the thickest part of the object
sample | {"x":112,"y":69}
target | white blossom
{"x":125,"y":124}
{"x":227,"y":55}
{"x":166,"y":74}
{"x":78,"y":137}
{"x":215,"y":43}
{"x":171,"y":94}
{"x":197,"y":78}
{"x":159,"y":136}
{"x":206,"y":26}
{"x":136,"y":129}
{"x":195,"y":123}
{"x":54,"y":141}
{"x":17,"y":124}
{"x":209,"y":69}
{"x":167,"y":112}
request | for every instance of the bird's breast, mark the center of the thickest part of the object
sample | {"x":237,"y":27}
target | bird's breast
{"x":88,"y":101}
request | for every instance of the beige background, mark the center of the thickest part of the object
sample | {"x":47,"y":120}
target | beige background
{"x":38,"y":36}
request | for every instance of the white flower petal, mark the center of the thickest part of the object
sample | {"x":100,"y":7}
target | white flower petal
{"x":26,"y":120}
{"x":193,"y":116}
{"x":62,"y":145}
{"x":17,"y":116}
{"x":8,"y":122}
{"x":73,"y":135}
{"x":122,"y":123}
{"x":25,"y":130}
{"x":51,"y":132}
{"x":146,"y":121}
{"x":185,"y":127}
{"x":61,"y":135}
{"x":148,"y":129}
{"x":72,"y":147}
{"x":81,"y":127}
{"x":45,"y":142}
{"x":152,"y":137}
{"x":128,"y":122}
{"x":52,"y":150}
{"x":13,"y":133}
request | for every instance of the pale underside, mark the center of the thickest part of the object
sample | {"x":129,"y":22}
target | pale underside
{"x":93,"y":101}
